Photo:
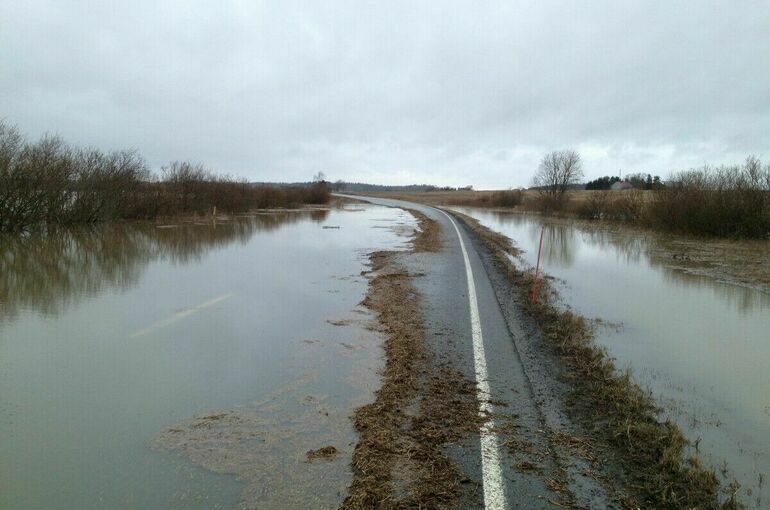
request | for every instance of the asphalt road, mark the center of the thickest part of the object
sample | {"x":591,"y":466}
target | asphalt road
{"x":473,"y":319}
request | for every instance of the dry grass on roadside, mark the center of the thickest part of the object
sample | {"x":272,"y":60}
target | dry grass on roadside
{"x":429,"y":237}
{"x":609,"y":404}
{"x":422,"y":405}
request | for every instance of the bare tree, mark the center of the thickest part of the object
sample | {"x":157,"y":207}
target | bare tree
{"x":557,"y":171}
{"x":187,"y":184}
{"x":50,"y":183}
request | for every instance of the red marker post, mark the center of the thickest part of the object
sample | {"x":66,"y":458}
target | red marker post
{"x":537,"y":266}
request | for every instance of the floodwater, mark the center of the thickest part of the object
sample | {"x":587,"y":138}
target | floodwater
{"x":187,"y":366}
{"x":700,"y":345}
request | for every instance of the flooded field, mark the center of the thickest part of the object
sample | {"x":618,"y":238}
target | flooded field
{"x":699,"y":343}
{"x":189,"y":366}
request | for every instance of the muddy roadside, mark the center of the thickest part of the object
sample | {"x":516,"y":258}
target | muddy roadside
{"x":645,"y":459}
{"x":419,"y":440}
{"x":423,"y":405}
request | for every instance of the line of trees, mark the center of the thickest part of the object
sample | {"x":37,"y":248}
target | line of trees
{"x":644,"y":181}
{"x":50,"y":183}
{"x":726,"y":201}
{"x":605,"y":182}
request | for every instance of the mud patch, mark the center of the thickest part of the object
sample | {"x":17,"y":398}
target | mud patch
{"x":422,"y":407}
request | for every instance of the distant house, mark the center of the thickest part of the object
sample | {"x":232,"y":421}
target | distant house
{"x":622,"y":185}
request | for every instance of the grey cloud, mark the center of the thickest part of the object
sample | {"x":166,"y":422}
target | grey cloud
{"x":445,"y":92}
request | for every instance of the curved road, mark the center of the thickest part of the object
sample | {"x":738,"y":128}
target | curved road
{"x":473,"y":318}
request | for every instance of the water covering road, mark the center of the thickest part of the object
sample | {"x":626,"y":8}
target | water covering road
{"x":109,"y":337}
{"x":702,"y":346}
{"x":518,"y":470}
{"x":193,"y":366}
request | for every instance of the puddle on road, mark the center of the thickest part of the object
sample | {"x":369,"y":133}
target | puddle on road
{"x":696,"y":337}
{"x":187,"y":367}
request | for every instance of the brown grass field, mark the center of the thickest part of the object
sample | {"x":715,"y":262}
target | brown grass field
{"x":476,"y":198}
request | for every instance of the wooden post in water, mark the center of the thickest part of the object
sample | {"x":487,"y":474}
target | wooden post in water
{"x":533,"y":295}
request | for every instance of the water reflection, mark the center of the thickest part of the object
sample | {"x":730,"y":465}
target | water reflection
{"x":695,"y":321}
{"x":563,"y":242}
{"x":630,"y":249}
{"x":240,"y":332}
{"x":46,"y":273}
{"x":744,"y":299}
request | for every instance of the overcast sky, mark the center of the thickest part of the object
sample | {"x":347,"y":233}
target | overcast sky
{"x":394,"y":92}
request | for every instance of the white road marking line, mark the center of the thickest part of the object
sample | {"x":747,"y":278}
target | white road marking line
{"x":179,"y":316}
{"x":491,"y":469}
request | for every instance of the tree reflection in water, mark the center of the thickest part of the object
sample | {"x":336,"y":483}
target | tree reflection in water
{"x":48,"y":272}
{"x":563,"y":240}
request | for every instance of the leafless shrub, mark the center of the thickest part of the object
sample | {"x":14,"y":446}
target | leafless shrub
{"x":185,"y":187}
{"x":191,"y":188}
{"x":106,"y":186}
{"x":34,"y":180}
{"x":730,"y":201}
{"x":622,"y":205}
{"x":506,"y":198}
{"x":49,"y":183}
{"x":547,"y":203}
{"x":626,"y":205}
{"x":594,"y":207}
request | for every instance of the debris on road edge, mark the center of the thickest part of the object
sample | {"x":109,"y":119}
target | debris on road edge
{"x":423,"y":403}
{"x":608,"y":403}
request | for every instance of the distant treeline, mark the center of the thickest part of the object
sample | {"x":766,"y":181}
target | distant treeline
{"x":638,"y":181}
{"x":725,"y":201}
{"x":373,"y":188}
{"x":50,"y":183}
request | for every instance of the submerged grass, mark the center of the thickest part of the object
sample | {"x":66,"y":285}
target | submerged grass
{"x":421,"y":407}
{"x":326,"y":452}
{"x":609,"y":404}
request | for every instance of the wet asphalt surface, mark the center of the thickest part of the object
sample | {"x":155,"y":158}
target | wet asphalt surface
{"x":523,"y":378}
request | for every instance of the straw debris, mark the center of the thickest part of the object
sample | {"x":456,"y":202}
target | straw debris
{"x":422,"y":407}
{"x":327,"y":452}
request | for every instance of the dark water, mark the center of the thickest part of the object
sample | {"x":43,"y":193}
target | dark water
{"x":110,"y":337}
{"x":700,"y":345}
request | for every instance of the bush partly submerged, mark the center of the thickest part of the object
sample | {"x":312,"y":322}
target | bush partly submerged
{"x":50,"y":183}
{"x":729,"y":201}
